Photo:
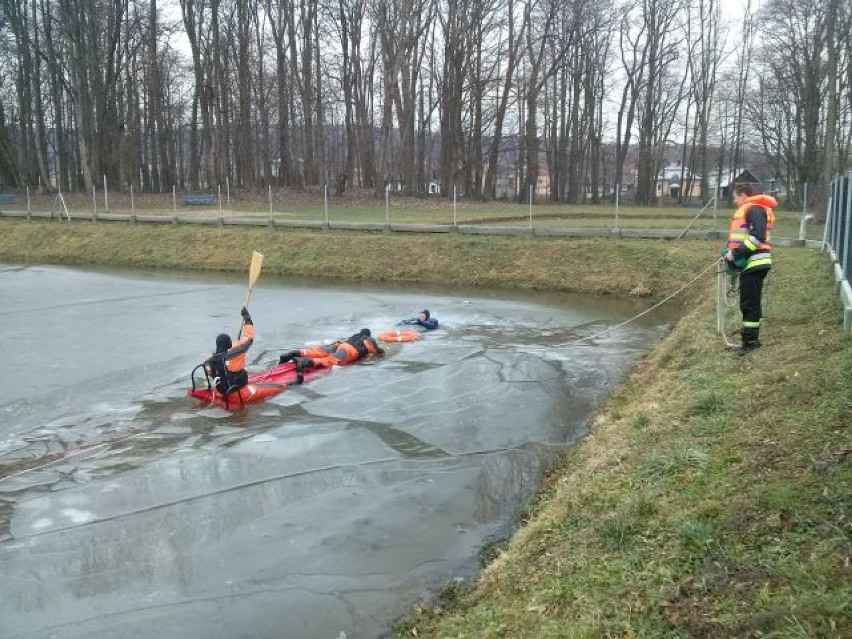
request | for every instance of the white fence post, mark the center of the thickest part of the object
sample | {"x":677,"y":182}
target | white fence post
{"x":531,"y":200}
{"x":617,"y":196}
{"x":106,"y":195}
{"x":846,"y":242}
{"x":804,"y":214}
{"x":714,"y":213}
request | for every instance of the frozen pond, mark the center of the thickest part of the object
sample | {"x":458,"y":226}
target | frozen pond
{"x":129,"y":510}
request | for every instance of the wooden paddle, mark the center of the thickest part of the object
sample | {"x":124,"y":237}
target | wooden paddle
{"x":254,"y":273}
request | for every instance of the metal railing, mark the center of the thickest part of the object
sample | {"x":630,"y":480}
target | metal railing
{"x":837,"y":239}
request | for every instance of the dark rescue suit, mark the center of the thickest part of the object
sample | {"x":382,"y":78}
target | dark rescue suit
{"x":428,"y":323}
{"x":228,"y":363}
{"x":748,"y":239}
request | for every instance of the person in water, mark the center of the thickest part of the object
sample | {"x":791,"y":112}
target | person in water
{"x":228,"y":364}
{"x":339,"y":353}
{"x":424,"y":320}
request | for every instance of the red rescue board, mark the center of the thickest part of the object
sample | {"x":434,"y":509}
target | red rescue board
{"x":261,"y":385}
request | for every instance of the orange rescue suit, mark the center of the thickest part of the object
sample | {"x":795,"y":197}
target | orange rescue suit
{"x":337,"y":354}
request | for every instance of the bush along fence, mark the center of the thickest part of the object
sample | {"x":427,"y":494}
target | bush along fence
{"x":838,"y":240}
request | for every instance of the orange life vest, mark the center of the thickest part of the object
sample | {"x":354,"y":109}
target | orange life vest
{"x":738,"y":231}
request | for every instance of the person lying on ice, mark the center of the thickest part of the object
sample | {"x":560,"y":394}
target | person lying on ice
{"x":228,"y":363}
{"x":340,"y":353}
{"x":424,"y":320}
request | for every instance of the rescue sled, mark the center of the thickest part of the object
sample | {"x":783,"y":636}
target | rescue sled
{"x":261,"y":385}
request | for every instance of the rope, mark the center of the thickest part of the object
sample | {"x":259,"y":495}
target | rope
{"x":655,"y":306}
{"x":727,"y":287}
{"x":64,"y":456}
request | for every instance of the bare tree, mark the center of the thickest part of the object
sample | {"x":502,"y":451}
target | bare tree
{"x":514,"y":41}
{"x":539,"y":31}
{"x":705,"y":46}
{"x":633,"y":63}
{"x":660,"y":95}
{"x":801,"y":80}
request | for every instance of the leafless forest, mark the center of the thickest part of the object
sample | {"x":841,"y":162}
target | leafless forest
{"x":471,"y":95}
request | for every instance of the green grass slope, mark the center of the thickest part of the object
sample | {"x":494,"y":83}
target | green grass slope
{"x":711,"y":499}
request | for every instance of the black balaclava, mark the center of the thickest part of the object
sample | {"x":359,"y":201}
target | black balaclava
{"x":223,"y":342}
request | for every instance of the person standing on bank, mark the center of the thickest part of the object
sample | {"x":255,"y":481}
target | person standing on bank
{"x":750,"y":253}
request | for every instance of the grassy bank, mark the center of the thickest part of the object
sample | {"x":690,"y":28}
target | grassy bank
{"x":712,"y":497}
{"x":628,"y":267}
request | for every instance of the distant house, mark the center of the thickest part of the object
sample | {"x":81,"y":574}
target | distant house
{"x":719,"y":182}
{"x":542,"y":186}
{"x":774,"y":187}
{"x":604,"y":190}
{"x":505,"y":186}
{"x":673,"y":180}
{"x":394,"y":185}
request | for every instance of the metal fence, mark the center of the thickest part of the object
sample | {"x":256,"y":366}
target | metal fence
{"x":838,"y":240}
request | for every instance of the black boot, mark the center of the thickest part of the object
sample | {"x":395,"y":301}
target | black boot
{"x":751,"y":341}
{"x":286,"y":357}
{"x":302,"y":364}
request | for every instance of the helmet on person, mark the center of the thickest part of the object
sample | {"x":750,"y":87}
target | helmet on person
{"x":223,"y":342}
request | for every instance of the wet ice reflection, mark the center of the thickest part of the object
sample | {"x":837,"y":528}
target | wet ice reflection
{"x":126,"y":509}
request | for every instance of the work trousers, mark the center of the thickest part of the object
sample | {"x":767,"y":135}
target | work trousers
{"x":751,"y":291}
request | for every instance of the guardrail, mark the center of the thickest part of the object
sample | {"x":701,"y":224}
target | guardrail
{"x":838,"y":240}
{"x":396,"y":227}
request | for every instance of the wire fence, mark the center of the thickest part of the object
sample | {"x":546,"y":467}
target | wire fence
{"x":274,"y":206}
